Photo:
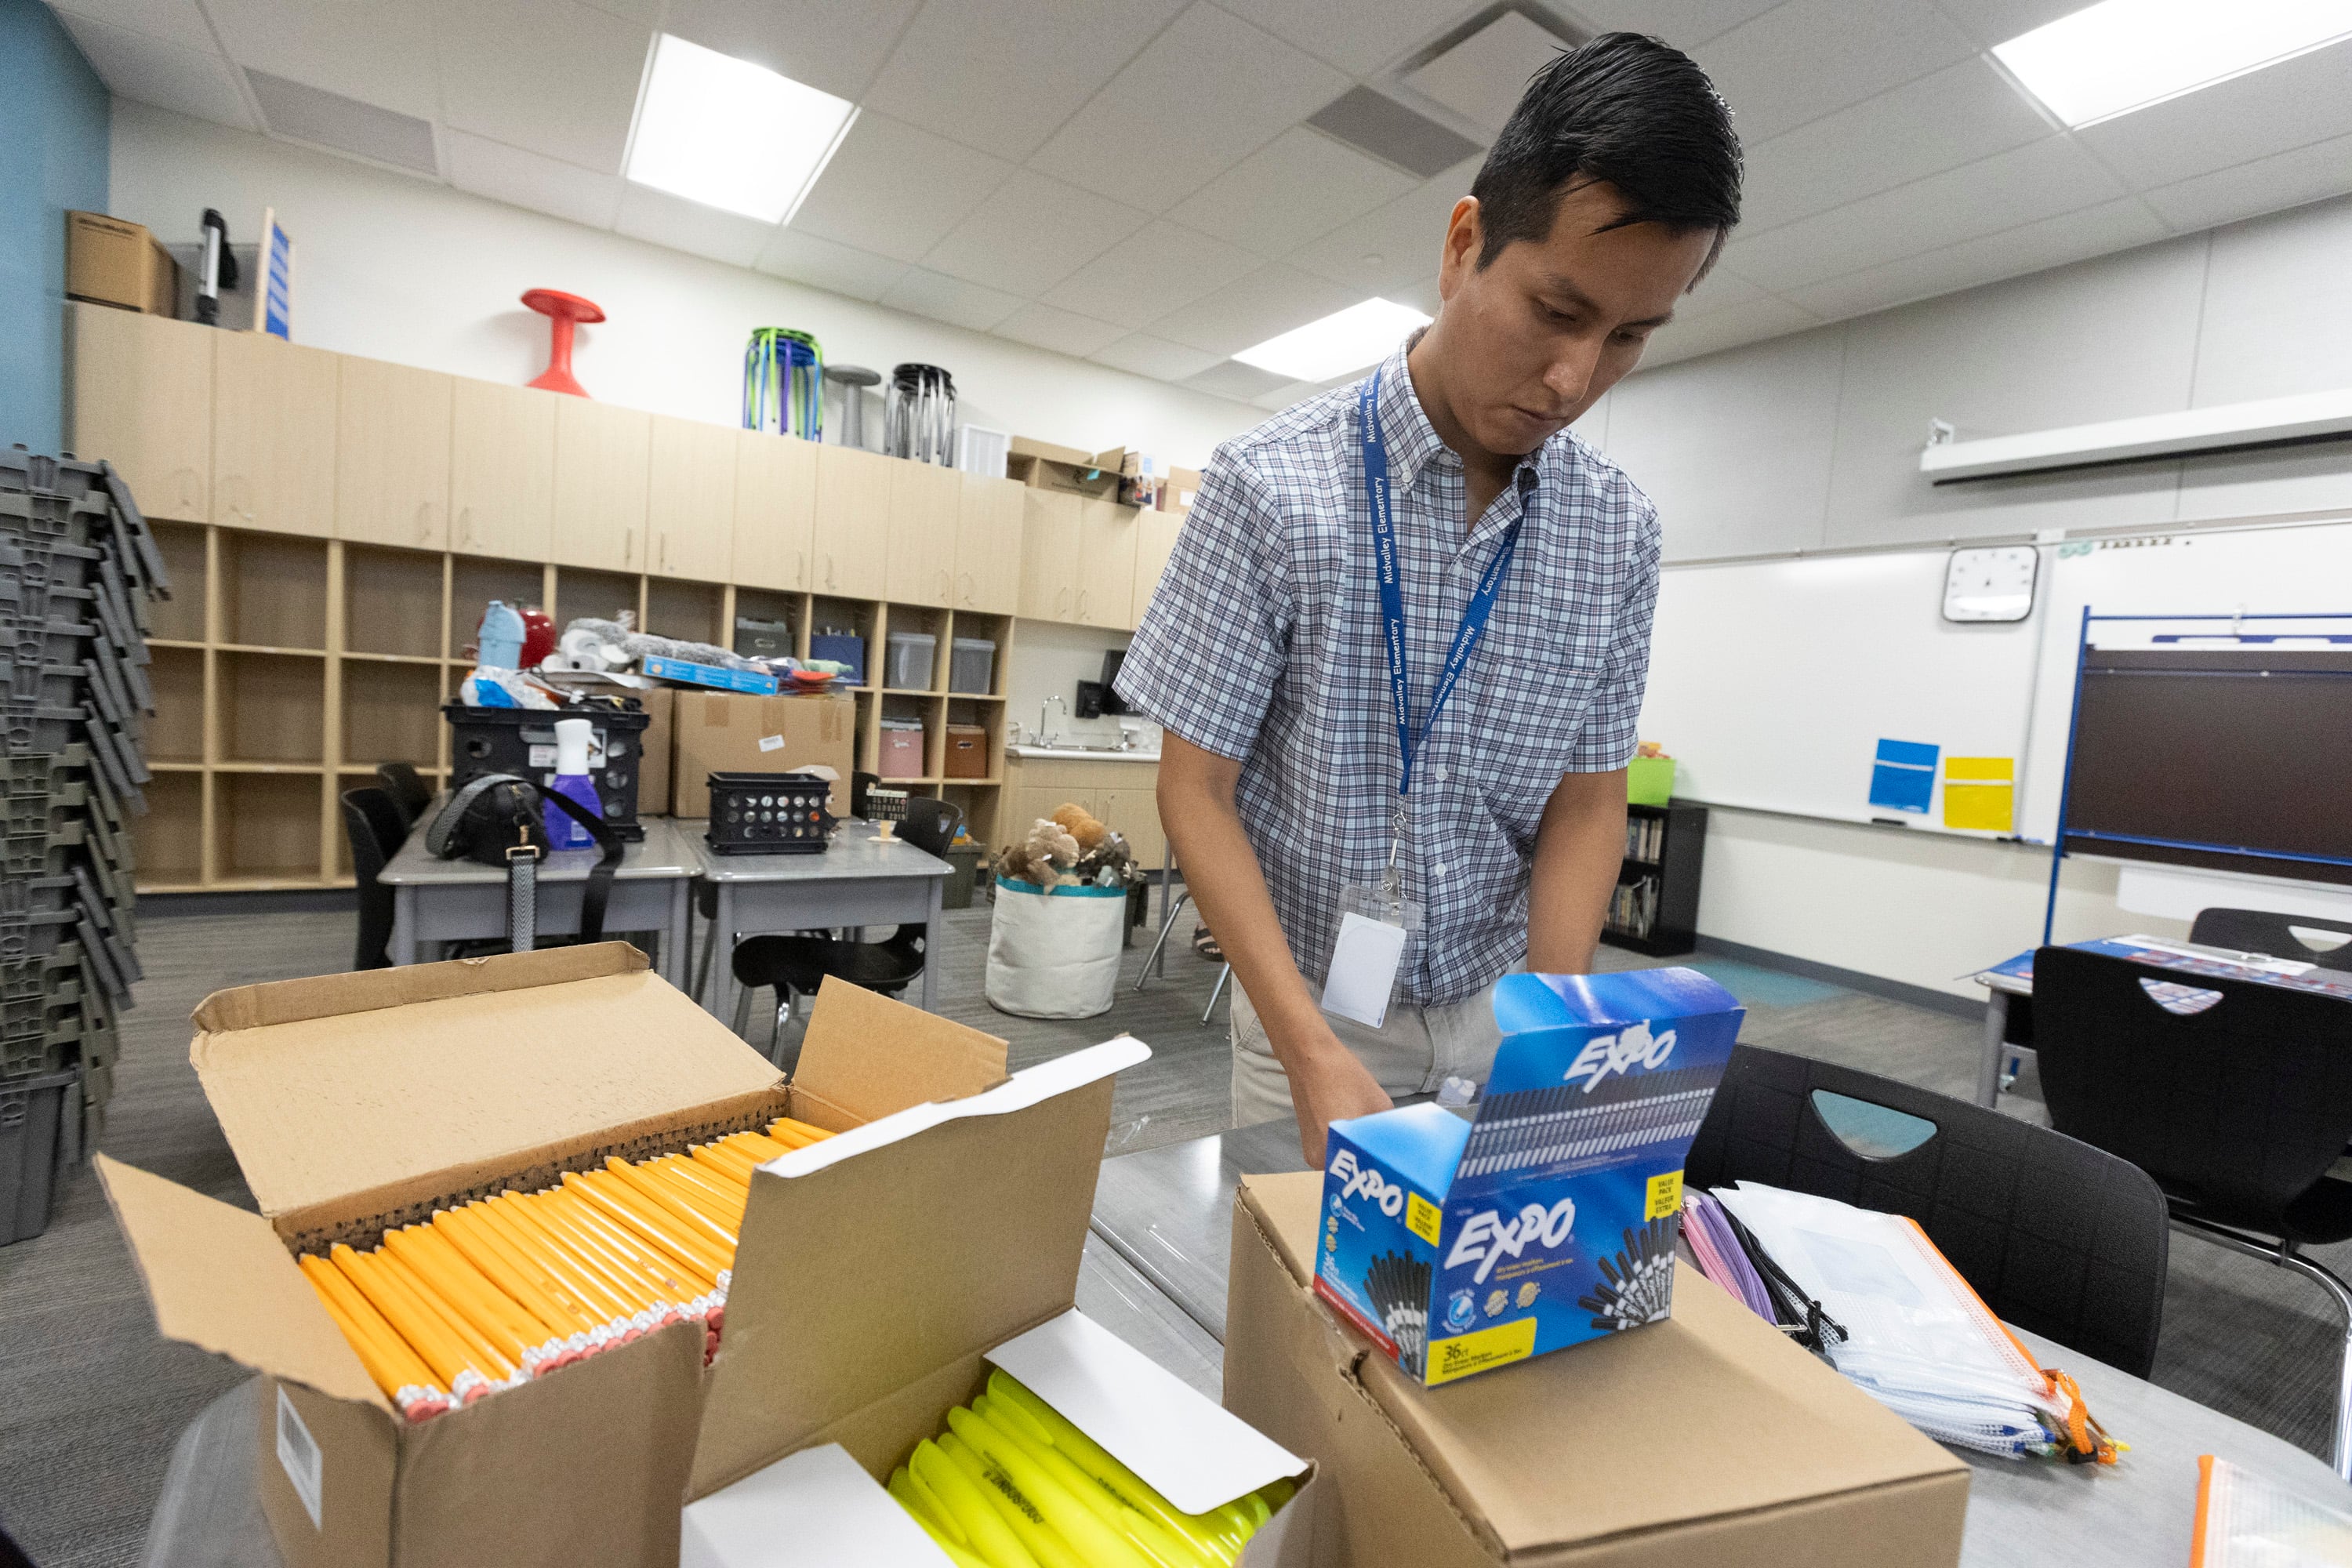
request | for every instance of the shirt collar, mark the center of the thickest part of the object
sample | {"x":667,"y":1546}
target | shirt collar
{"x":1413,"y":441}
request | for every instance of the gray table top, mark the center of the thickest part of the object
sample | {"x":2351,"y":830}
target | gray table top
{"x":663,"y":853}
{"x":1168,"y":1212}
{"x":855,"y":853}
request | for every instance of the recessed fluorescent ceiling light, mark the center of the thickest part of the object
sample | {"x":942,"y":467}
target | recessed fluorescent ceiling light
{"x":2122,"y":55}
{"x":1345,"y":341}
{"x":731,"y":134}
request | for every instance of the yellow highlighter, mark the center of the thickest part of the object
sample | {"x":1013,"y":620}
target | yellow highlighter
{"x":991,"y":1537}
{"x":1044,"y":1543}
{"x":1094,"y":1540}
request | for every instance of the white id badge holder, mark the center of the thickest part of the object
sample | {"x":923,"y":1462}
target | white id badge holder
{"x":1375,"y":919}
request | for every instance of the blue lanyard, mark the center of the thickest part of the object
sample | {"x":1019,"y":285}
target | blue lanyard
{"x":1474,"y":617}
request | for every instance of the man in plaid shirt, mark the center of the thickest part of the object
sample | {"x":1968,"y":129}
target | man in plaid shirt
{"x":1605,"y":199}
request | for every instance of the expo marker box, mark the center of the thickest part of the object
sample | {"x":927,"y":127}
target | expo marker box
{"x":1550,"y":1219}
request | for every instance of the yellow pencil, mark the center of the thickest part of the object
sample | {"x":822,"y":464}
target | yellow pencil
{"x":597,"y":1298}
{"x":669,"y":1280}
{"x":486,"y":1354}
{"x":396,"y":1367}
{"x":725,"y":1202}
{"x":657,"y":1190}
{"x":640,"y":1215}
{"x":466,"y":1301}
{"x":725,"y":1163}
{"x":452,"y":1366}
{"x":494,"y":1253}
{"x":634,"y":1297}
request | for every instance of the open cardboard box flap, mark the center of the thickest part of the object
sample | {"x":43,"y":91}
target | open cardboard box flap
{"x":414,"y":1082}
{"x":1763,"y":1420}
{"x":850,"y":1308}
{"x":927,"y":1055}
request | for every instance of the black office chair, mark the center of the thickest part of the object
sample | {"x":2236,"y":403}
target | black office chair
{"x":2056,"y":1236}
{"x":797,"y":965}
{"x":376,"y":829}
{"x":409,"y":791}
{"x":2280,"y":936}
{"x":2235,"y":1095}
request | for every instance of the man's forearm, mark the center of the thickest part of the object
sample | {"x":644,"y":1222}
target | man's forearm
{"x":1580,"y":847}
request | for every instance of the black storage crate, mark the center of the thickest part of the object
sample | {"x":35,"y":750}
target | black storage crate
{"x":522,"y":740}
{"x":35,"y":1146}
{"x":770,"y":814}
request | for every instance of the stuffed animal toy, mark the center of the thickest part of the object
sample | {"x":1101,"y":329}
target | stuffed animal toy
{"x":1043,"y":857}
{"x":1082,"y":825}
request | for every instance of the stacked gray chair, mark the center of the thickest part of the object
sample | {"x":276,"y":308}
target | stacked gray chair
{"x":78,"y":571}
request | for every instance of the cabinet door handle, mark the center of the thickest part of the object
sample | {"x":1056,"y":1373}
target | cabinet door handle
{"x":828,"y":571}
{"x":800,"y":568}
{"x":947,"y":594}
{"x":466,"y":525}
{"x":1061,"y":600}
{"x":628,"y":545}
{"x":1082,"y":602}
{"x":665,"y":549}
{"x":424,"y":522}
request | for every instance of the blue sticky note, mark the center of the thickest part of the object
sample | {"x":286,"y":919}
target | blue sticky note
{"x":1904,"y":777}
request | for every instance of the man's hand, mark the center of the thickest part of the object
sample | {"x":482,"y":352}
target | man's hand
{"x":1328,"y":1084}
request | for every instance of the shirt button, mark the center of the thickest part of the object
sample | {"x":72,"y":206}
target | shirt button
{"x":1437,"y":774}
{"x":1437,"y":868}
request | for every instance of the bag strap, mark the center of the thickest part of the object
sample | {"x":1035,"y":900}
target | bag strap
{"x":441,"y":834}
{"x":599,"y":890}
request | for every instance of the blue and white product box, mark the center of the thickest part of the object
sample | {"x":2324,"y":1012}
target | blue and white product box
{"x":758,"y":683}
{"x":1461,"y":1246}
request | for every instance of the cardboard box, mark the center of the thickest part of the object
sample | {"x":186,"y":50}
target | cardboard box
{"x":1043,"y":465}
{"x":1705,"y":1441}
{"x":660,"y":704}
{"x":110,"y":261}
{"x":354,"y":1102}
{"x":1183,"y":485}
{"x":1549,"y":1220}
{"x":717,"y":732}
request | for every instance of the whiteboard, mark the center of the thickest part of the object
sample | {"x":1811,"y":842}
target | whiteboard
{"x":2286,"y":568}
{"x":1772,"y":682}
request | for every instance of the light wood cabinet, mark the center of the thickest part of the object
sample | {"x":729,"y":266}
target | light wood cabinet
{"x":690,"y":498}
{"x":274,"y":435}
{"x":1155,"y":541}
{"x":1134,"y":811}
{"x":851,"y":539}
{"x":776,"y":509}
{"x":1050,"y":526}
{"x":1123,"y":795}
{"x":502,"y":470}
{"x":391,"y":455}
{"x":988,"y":545}
{"x":601,"y":453}
{"x":143,"y":400}
{"x":1105,"y":576}
{"x":925,"y":504}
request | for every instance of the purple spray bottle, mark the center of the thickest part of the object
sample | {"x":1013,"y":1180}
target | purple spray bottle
{"x":572,"y":780}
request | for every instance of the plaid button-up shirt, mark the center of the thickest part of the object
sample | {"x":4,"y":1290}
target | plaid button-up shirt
{"x":1263,"y":644}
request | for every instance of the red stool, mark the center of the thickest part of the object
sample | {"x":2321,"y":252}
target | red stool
{"x":563,"y":312}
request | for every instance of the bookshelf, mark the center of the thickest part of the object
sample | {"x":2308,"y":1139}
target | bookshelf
{"x":1654,"y":908}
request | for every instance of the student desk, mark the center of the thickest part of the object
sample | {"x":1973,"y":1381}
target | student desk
{"x":1168,"y":1212}
{"x":436,"y":901}
{"x":860,"y":879}
{"x":2015,"y":978}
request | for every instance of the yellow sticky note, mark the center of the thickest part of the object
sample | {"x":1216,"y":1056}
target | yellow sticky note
{"x":1981,"y":793}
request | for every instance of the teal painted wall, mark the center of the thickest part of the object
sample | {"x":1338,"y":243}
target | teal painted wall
{"x":52,"y":158}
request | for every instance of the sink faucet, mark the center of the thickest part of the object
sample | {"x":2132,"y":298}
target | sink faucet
{"x":1129,"y":735}
{"x":1045,"y":737}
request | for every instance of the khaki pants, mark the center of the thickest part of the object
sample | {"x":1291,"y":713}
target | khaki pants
{"x":1415,"y":1051}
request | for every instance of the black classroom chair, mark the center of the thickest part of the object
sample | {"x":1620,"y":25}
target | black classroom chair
{"x":2236,"y":1098}
{"x":2260,"y":931}
{"x":2056,"y":1236}
{"x":797,"y":965}
{"x":376,"y":829}
{"x":408,"y":790}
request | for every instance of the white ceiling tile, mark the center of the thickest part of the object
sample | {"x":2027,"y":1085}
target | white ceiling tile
{"x":1959,"y":115}
{"x":1251,"y":309}
{"x":148,"y":71}
{"x":1297,"y":187}
{"x":1392,"y":247}
{"x":1720,"y":289}
{"x":1482,"y":77}
{"x":547,"y":75}
{"x":1282,"y":397}
{"x":1744,"y":323}
{"x":1235,"y":380}
{"x":1149,"y":274}
{"x":180,"y":22}
{"x":549,"y":185}
{"x":1203,"y":96}
{"x":1141,"y":354}
{"x":1031,"y":233}
{"x":2288,"y":105}
{"x":1809,"y":58}
{"x":379,"y":52}
{"x":2025,"y":184}
{"x":1060,"y":330}
{"x":894,"y":190}
{"x":649,"y":12}
{"x":1686,"y":24}
{"x":1991,"y":22}
{"x":2284,"y":180}
{"x":822,"y":264}
{"x":665,"y":219}
{"x":832,"y":46}
{"x":951,"y":72}
{"x":2118,"y":225}
{"x":1360,"y":36}
{"x":951,"y":299}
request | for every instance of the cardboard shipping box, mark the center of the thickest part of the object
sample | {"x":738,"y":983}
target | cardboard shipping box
{"x":1042,"y":464}
{"x":1705,"y":1441}
{"x":111,"y":261}
{"x":654,"y":764}
{"x":358,"y":1102}
{"x":721,"y":731}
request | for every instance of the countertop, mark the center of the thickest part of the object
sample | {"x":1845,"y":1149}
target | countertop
{"x":1079,"y":754}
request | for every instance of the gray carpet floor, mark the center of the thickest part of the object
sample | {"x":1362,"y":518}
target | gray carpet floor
{"x":92,"y":1400}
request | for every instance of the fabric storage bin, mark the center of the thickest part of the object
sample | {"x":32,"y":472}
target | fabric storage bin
{"x":756,"y":638}
{"x":902,"y":749}
{"x":971,"y":666}
{"x":838,"y":646}
{"x":908,"y":665}
{"x":967,"y":752}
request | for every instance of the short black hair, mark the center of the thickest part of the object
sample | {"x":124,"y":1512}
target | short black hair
{"x":1624,"y":111}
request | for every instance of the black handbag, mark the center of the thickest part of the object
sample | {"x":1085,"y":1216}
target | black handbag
{"x":496,"y":819}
